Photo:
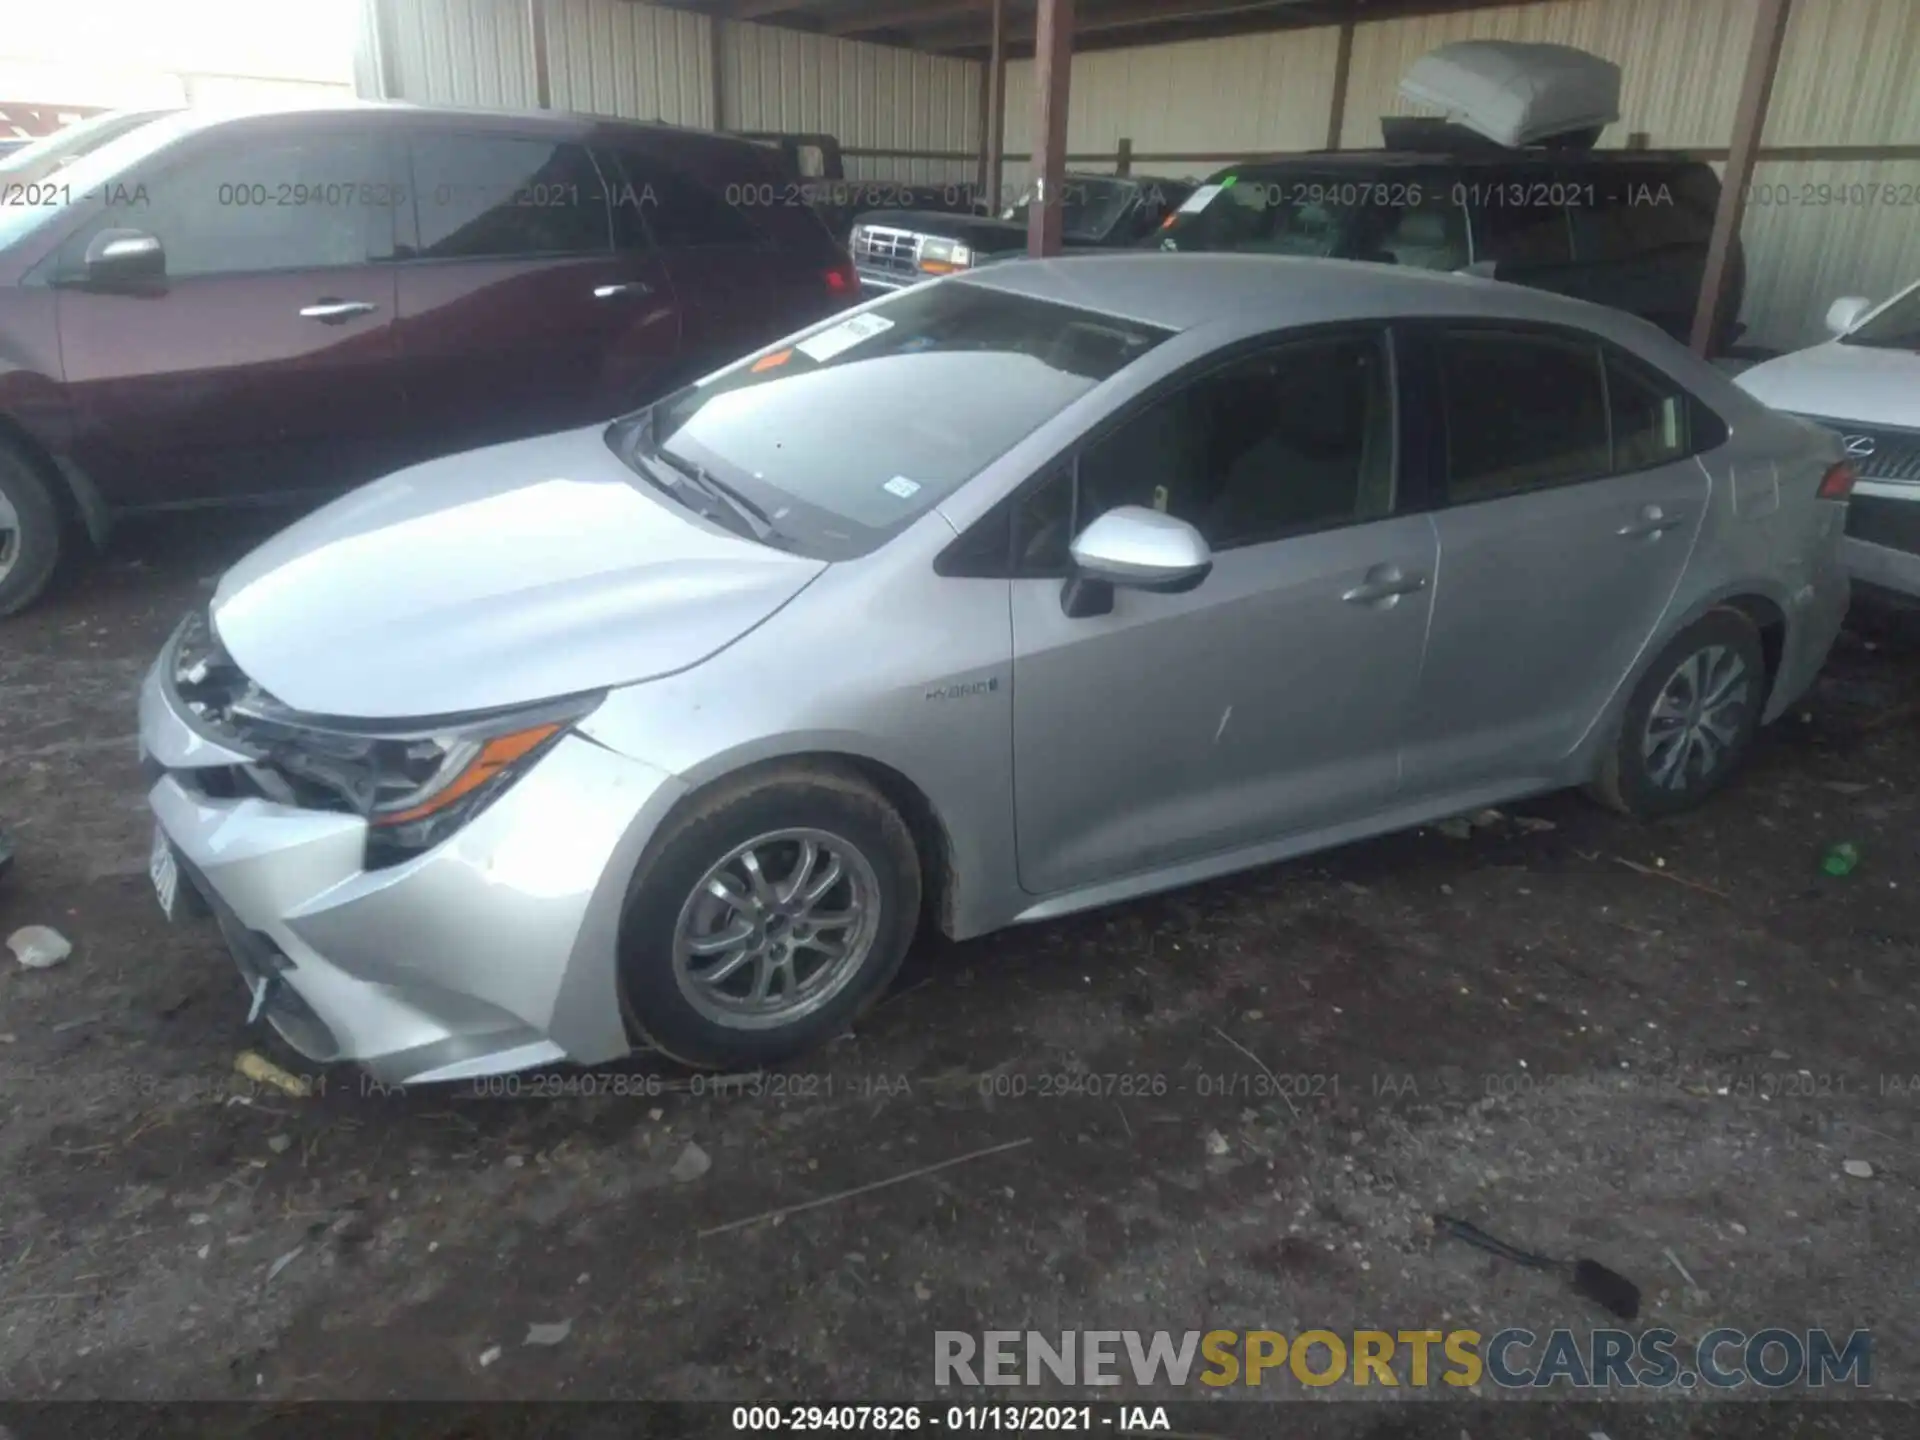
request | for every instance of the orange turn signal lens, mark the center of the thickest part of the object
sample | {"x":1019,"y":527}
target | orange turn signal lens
{"x":496,"y":755}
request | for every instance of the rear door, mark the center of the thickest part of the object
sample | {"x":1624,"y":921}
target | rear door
{"x":265,"y":362}
{"x":1272,"y":698}
{"x":516,"y":314}
{"x":1569,"y":506}
{"x":722,"y":263}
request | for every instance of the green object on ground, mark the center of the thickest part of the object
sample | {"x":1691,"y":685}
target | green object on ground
{"x":1841,"y":859}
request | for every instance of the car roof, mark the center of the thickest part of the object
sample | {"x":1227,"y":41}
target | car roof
{"x":559,"y":123}
{"x":1264,"y":292}
{"x":1491,"y":158}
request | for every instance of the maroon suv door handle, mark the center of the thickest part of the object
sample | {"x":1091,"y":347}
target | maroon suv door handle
{"x":624,"y":287}
{"x":329,"y":311}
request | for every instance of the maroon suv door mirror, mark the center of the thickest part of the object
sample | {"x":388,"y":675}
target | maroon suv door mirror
{"x":125,"y":257}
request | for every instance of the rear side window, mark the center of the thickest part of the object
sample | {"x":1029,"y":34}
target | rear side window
{"x":1642,"y":215}
{"x":1522,"y":412}
{"x":506,"y":197}
{"x":656,"y":203}
{"x":1650,"y":417}
{"x":1522,"y":219}
{"x":1528,"y":411}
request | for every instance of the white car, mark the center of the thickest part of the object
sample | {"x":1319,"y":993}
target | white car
{"x":1865,"y":383}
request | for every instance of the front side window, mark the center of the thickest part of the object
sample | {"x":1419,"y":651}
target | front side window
{"x":856,"y":429}
{"x":1522,"y":412}
{"x":1523,"y":220}
{"x":500,"y":197}
{"x":1286,"y":442}
{"x":240,"y":205}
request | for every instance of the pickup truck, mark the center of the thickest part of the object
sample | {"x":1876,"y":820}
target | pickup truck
{"x":901,"y":246}
{"x":836,"y":198}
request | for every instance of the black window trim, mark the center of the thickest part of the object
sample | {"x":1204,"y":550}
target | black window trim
{"x":402,"y":162}
{"x":1706,"y":429}
{"x":957,"y":560}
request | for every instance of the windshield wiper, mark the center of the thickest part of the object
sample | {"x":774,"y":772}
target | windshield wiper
{"x":750,"y":514}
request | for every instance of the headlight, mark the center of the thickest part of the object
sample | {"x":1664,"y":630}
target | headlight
{"x":943,"y":257}
{"x":415,"y":786}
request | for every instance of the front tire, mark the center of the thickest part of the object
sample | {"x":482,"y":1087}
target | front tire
{"x":1690,"y":720}
{"x":29,"y":532}
{"x":767,"y":917}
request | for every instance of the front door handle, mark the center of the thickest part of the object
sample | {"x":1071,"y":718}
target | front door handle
{"x":329,"y":311}
{"x":1384,"y":586}
{"x":1653,"y":523}
{"x":623,"y":287}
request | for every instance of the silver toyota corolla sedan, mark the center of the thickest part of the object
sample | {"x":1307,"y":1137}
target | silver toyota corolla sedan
{"x":1002,"y":597}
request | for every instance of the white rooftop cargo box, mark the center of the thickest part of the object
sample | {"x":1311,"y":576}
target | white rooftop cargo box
{"x":1517,"y":93}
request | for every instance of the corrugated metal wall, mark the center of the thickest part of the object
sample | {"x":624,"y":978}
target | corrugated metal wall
{"x":606,"y":57}
{"x":870,"y":96}
{"x":1850,"y":75}
{"x":612,"y":57}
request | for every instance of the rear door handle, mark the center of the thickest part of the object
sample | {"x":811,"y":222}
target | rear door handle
{"x":1384,"y":586}
{"x":623,"y":287}
{"x":1653,"y":522}
{"x":329,"y":311}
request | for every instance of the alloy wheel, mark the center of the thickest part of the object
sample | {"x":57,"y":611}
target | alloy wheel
{"x":776,"y":929}
{"x":9,"y":535}
{"x":1698,"y":718}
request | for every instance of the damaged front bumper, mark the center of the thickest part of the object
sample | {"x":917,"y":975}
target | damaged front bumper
{"x":492,"y":952}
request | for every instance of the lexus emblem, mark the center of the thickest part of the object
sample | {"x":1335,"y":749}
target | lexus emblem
{"x":1860,"y":446}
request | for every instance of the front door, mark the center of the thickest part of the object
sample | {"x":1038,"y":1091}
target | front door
{"x":1571,"y":505}
{"x":264,"y":364}
{"x":1273,"y":697}
{"x":517,"y":314}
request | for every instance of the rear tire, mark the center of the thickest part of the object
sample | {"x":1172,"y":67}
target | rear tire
{"x":767,"y":918}
{"x":1690,"y":720}
{"x":30,"y":537}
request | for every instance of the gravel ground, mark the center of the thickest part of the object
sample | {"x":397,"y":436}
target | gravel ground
{"x":1234,"y":1106}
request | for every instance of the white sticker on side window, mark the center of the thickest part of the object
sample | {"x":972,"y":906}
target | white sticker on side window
{"x":1199,"y":199}
{"x":903,"y":487}
{"x":844,"y":336}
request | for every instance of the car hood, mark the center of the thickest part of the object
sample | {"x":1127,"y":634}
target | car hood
{"x":494,"y":578}
{"x":1861,"y":383}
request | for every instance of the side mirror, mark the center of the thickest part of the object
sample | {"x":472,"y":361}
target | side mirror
{"x":1846,"y":312}
{"x":1133,"y":548}
{"x":125,"y":257}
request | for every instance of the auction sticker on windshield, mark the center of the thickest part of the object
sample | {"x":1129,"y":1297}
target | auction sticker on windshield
{"x":1199,"y":199}
{"x":903,"y":487}
{"x":844,"y":336}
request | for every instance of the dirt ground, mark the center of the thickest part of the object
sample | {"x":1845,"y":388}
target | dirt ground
{"x":1656,"y":1046}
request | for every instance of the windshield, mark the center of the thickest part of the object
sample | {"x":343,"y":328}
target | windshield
{"x":1895,"y":328}
{"x":85,"y":180}
{"x":63,"y":147}
{"x":846,"y":436}
{"x":1090,"y":206}
{"x":1269,"y":215}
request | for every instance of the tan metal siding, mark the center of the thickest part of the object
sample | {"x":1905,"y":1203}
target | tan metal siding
{"x":1252,"y":93}
{"x":870,"y":96}
{"x":608,"y":57}
{"x":463,"y":52}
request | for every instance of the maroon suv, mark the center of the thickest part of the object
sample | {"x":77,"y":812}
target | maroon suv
{"x":211,"y":310}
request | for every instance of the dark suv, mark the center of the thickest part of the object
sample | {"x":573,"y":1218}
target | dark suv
{"x":286,"y":304}
{"x":1623,"y":228}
